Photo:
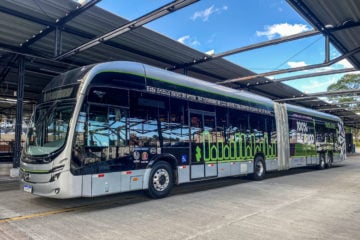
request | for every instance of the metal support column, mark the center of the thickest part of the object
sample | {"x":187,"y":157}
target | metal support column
{"x":57,"y":49}
{"x":327,"y":49}
{"x":19,"y":113}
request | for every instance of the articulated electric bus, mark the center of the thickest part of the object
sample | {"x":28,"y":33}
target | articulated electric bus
{"x":123,"y":126}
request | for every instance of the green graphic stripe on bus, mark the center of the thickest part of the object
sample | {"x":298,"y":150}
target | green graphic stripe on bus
{"x":186,"y":86}
{"x":242,"y":147}
{"x":36,"y":171}
{"x":304,"y":150}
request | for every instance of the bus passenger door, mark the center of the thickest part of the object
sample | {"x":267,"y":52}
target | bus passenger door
{"x":203,"y":145}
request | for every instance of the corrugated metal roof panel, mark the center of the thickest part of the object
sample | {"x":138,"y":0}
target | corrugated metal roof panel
{"x":14,"y":31}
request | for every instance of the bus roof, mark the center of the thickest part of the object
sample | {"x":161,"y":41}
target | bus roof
{"x":150,"y":72}
{"x":312,"y":112}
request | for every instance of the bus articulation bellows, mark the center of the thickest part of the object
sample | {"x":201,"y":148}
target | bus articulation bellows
{"x":123,"y":126}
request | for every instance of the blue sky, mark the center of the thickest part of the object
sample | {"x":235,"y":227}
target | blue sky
{"x":220,"y":25}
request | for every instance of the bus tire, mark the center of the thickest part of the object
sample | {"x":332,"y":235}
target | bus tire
{"x":322,"y":161}
{"x":259,"y":169}
{"x":161,"y":180}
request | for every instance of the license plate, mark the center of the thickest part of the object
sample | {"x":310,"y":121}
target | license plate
{"x":28,"y":189}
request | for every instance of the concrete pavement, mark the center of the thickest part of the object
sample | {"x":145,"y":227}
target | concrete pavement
{"x":298,"y":204}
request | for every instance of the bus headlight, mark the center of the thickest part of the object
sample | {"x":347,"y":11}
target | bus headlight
{"x":54,"y":177}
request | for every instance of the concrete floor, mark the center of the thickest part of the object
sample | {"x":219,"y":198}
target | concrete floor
{"x":298,"y":204}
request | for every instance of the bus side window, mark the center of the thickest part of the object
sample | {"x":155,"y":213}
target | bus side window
{"x":148,"y":118}
{"x":118,"y":133}
{"x":222,"y":126}
{"x":80,"y":139}
{"x":196,"y":127}
{"x":98,"y":127}
{"x":178,"y":130}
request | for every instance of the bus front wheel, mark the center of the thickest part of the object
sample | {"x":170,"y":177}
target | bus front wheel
{"x":161,"y":180}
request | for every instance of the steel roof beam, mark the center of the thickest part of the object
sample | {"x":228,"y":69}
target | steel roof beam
{"x":344,"y":103}
{"x":314,"y":74}
{"x":290,"y":70}
{"x":158,"y":13}
{"x":332,"y":105}
{"x":337,"y":108}
{"x":302,"y":76}
{"x":320,"y":94}
{"x":346,"y":25}
{"x":29,"y":54}
{"x":247,"y":48}
{"x":60,"y":22}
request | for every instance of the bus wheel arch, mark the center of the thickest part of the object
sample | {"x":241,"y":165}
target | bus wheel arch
{"x":169,"y":158}
{"x":259,"y":167}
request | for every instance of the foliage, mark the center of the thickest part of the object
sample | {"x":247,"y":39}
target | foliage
{"x":347,"y":82}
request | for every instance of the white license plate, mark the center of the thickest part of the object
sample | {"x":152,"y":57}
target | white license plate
{"x":28,"y":189}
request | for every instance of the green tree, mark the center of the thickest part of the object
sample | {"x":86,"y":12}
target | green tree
{"x":347,"y":82}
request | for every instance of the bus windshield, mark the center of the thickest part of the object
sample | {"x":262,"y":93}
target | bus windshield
{"x":48,"y":128}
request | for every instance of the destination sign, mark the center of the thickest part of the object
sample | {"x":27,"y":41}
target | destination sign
{"x":58,"y":94}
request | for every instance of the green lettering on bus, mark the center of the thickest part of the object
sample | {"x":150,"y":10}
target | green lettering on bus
{"x":241,"y":148}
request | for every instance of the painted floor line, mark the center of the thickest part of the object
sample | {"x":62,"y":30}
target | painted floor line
{"x":42,"y":214}
{"x":48,"y":213}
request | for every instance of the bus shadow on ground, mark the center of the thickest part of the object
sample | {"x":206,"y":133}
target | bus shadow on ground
{"x":230,"y":181}
{"x":136,"y":197}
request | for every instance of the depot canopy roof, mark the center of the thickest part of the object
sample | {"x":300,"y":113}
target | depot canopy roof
{"x":50,"y":34}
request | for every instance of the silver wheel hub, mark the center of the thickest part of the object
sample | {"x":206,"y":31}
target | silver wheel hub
{"x":161,"y":180}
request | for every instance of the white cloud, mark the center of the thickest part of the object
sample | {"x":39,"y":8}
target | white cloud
{"x":345,"y":63}
{"x":194,"y":43}
{"x":282,"y":30}
{"x":187,"y":40}
{"x":204,"y":15}
{"x":183,"y":39}
{"x":82,"y":2}
{"x":297,"y":64}
{"x":210,"y":52}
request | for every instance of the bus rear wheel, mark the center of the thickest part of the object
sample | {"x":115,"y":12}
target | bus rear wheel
{"x":161,"y":180}
{"x":322,"y":161}
{"x":259,"y":169}
{"x":330,"y":160}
